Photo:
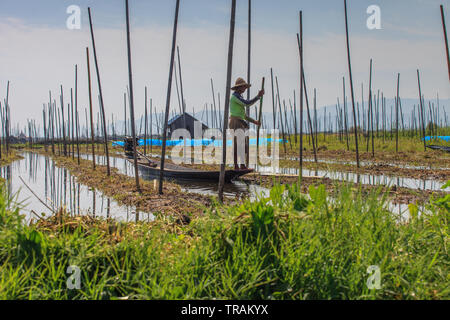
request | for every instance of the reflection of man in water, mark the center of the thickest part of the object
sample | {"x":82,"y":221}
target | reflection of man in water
{"x":239,"y":118}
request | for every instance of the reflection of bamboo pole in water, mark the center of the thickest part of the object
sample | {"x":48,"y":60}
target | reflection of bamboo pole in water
{"x":78,"y":198}
{"x":93,"y":203}
{"x":59,"y":131}
{"x":70,"y":194}
{"x":58,"y":186}
{"x":52,"y":192}
{"x":45,"y":172}
{"x":101,"y":207}
{"x":74,"y":197}
{"x":65,"y":188}
{"x":9,"y":179}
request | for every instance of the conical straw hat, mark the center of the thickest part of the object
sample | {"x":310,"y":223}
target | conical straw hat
{"x":239,"y":83}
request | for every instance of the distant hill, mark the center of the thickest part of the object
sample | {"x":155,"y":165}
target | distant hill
{"x":407,"y":109}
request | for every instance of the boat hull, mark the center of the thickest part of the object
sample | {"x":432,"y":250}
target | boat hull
{"x":173,"y":172}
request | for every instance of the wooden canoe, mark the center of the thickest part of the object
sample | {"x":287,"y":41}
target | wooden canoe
{"x":176,"y":172}
{"x":442,"y":148}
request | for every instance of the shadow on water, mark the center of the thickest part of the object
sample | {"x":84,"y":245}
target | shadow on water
{"x":57,"y":188}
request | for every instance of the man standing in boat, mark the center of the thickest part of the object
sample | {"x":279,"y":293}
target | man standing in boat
{"x":239,"y":118}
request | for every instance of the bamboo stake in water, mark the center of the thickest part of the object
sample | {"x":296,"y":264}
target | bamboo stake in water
{"x":345,"y":113}
{"x":130,"y":83}
{"x":351,"y":86}
{"x":178,"y":91}
{"x":281,"y":115}
{"x":52,"y":122}
{"x":169,"y":90}
{"x":151,"y":126}
{"x":76,"y":112}
{"x":311,"y":132}
{"x":102,"y":107}
{"x":396,"y":113}
{"x":445,"y":39}
{"x":62,"y":121}
{"x":295,"y":118}
{"x":145,"y":123}
{"x":7,"y":116}
{"x":125,"y":112}
{"x":315,"y":117}
{"x":227,"y":99}
{"x":181,"y":88}
{"x":300,"y":48}
{"x":45,"y":131}
{"x":259,"y":119}
{"x":72,"y":123}
{"x":421,"y":112}
{"x":90,"y":108}
{"x":273,"y":101}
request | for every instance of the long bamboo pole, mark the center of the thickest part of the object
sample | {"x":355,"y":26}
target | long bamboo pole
{"x":295,"y":118}
{"x":345,"y":113}
{"x":281,"y":115}
{"x":259,"y":119}
{"x":311,"y":131}
{"x":52,"y":122}
{"x":45,"y":131}
{"x":351,"y":86}
{"x":151,"y":127}
{"x":102,"y":106}
{"x":445,"y":39}
{"x":130,"y":83}
{"x":274,"y":114}
{"x":227,"y":99}
{"x":169,"y":90}
{"x":76,"y":113}
{"x":181,"y":87}
{"x":7,"y":118}
{"x":396,"y":112}
{"x":300,"y":48}
{"x":71,"y":122}
{"x":90,"y":107}
{"x":145,"y":123}
{"x":249,"y":51}
{"x":63,"y":123}
{"x":421,"y":112}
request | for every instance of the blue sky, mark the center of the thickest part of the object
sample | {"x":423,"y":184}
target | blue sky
{"x":319,"y":16}
{"x":41,"y":52}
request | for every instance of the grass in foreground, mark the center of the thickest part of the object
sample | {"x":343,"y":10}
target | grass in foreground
{"x":287,"y":246}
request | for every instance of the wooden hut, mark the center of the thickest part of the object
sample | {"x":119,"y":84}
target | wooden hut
{"x":177,"y":122}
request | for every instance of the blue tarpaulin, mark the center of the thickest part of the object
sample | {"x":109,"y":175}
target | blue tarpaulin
{"x":443,"y":138}
{"x":195,"y":142}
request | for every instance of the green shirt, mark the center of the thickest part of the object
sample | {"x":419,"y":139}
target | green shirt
{"x":238,"y":105}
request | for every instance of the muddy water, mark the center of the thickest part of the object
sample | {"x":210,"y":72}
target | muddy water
{"x":368,"y":163}
{"x":56,"y":187}
{"x":237,"y":189}
{"x":411,"y":183}
{"x":242,"y":190}
{"x":416,"y":184}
